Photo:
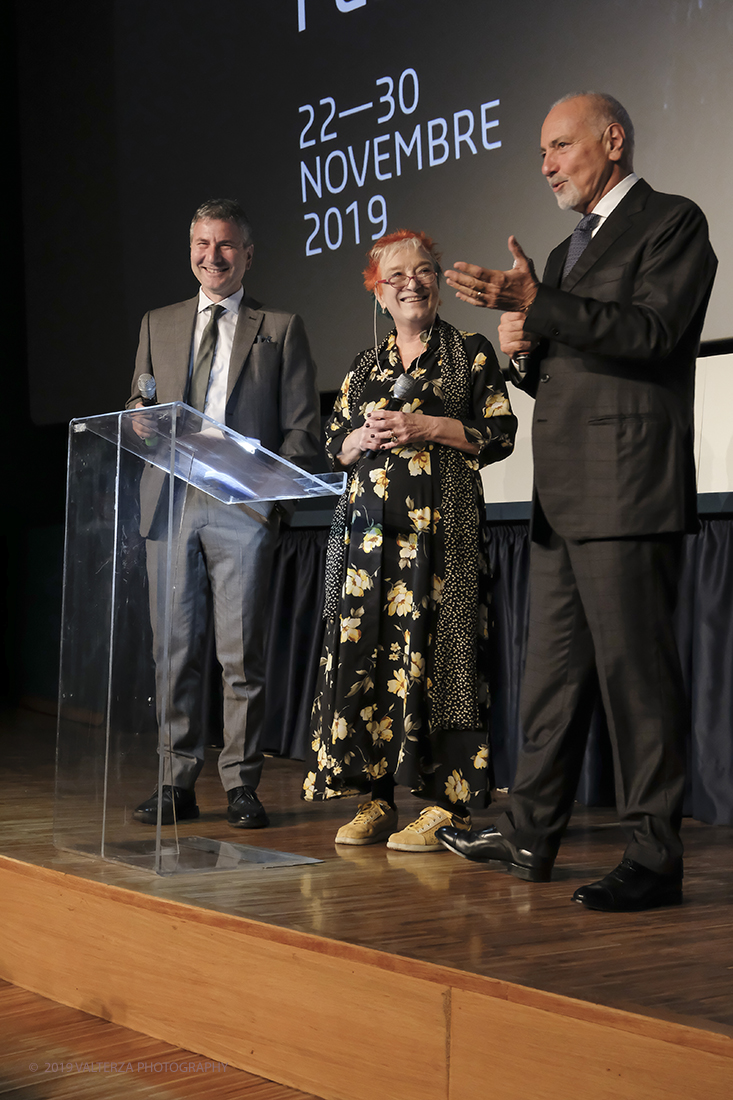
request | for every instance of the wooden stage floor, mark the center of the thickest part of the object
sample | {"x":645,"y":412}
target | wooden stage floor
{"x":673,"y":966}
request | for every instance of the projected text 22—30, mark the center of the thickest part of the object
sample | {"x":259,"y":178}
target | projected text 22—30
{"x":376,"y":159}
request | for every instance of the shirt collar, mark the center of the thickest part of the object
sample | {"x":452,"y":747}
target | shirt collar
{"x":232,"y":303}
{"x":612,"y":198}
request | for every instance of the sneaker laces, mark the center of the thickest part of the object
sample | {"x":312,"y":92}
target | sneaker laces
{"x":433,"y":813}
{"x":367,"y":812}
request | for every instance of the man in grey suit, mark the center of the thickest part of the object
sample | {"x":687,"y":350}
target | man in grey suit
{"x":606,"y":343}
{"x":250,"y":368}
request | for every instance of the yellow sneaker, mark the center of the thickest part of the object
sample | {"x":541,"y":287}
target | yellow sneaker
{"x":419,"y":836}
{"x":374,"y":821}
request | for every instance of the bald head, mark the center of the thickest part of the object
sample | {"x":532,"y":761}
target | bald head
{"x":606,"y":110}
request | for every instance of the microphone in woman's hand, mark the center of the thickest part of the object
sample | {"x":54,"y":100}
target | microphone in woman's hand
{"x":401,"y":391}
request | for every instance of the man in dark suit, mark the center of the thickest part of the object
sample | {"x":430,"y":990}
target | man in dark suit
{"x":249,"y":368}
{"x":606,"y":343}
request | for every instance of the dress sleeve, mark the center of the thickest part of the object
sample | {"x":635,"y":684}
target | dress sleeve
{"x":491,"y":423}
{"x":339,"y":422}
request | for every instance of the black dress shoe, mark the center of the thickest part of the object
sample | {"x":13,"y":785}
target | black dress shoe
{"x":185,"y":803}
{"x":496,"y":851}
{"x":245,"y":809}
{"x":631,"y":888}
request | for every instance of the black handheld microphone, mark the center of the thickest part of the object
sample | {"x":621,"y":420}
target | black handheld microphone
{"x":401,"y":391}
{"x":146,"y":386}
{"x":521,"y":362}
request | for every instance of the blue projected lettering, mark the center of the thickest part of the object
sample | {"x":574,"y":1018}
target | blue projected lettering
{"x":341,"y":5}
{"x":373,"y":160}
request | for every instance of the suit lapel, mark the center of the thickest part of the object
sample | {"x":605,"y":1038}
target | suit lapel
{"x":249,"y":321}
{"x":615,"y":225}
{"x":177,"y":342}
{"x":555,"y":264}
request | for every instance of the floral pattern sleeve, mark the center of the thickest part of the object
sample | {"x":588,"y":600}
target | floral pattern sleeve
{"x":339,"y":424}
{"x":491,"y":424}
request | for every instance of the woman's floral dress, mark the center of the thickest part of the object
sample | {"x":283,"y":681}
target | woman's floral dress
{"x":402,"y":682}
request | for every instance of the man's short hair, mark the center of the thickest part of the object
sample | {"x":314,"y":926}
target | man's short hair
{"x":225,"y":210}
{"x":608,"y":110}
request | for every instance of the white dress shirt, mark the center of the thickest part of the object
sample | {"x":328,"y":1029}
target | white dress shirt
{"x":612,"y":198}
{"x":216,"y":394}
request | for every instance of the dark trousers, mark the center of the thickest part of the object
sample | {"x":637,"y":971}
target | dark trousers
{"x":220,"y":566}
{"x":601,"y":618}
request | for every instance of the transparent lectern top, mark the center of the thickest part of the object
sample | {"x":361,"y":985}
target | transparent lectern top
{"x":209,"y":456}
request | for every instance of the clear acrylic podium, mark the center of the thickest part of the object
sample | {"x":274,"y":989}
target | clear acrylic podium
{"x":107,"y":758}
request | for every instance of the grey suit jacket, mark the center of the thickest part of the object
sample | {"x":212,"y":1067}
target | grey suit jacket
{"x":271,"y":388}
{"x":613,"y":377}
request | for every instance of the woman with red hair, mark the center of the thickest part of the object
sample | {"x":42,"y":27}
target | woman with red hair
{"x":401,"y":694}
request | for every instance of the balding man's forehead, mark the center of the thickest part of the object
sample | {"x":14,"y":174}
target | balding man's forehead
{"x":570,"y":120}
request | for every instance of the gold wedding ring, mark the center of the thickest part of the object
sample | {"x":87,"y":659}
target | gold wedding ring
{"x":392,"y":437}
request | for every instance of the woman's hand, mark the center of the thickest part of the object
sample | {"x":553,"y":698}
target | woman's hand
{"x":383,"y":430}
{"x":356,"y":442}
{"x":396,"y":429}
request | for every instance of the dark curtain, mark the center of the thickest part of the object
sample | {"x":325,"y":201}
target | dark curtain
{"x":294,"y":640}
{"x":705,"y":636}
{"x":707,"y":608}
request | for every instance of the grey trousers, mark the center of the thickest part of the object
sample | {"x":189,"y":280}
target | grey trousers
{"x":601,"y":619}
{"x":220,"y":566}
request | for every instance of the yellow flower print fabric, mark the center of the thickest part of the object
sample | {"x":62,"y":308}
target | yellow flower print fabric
{"x":374,"y":711}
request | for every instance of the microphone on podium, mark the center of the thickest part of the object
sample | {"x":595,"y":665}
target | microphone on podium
{"x":401,"y":391}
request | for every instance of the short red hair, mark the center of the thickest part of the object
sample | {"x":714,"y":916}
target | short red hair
{"x":391,"y":243}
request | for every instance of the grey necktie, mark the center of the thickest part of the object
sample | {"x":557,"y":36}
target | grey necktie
{"x":580,"y":240}
{"x":204,"y":359}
